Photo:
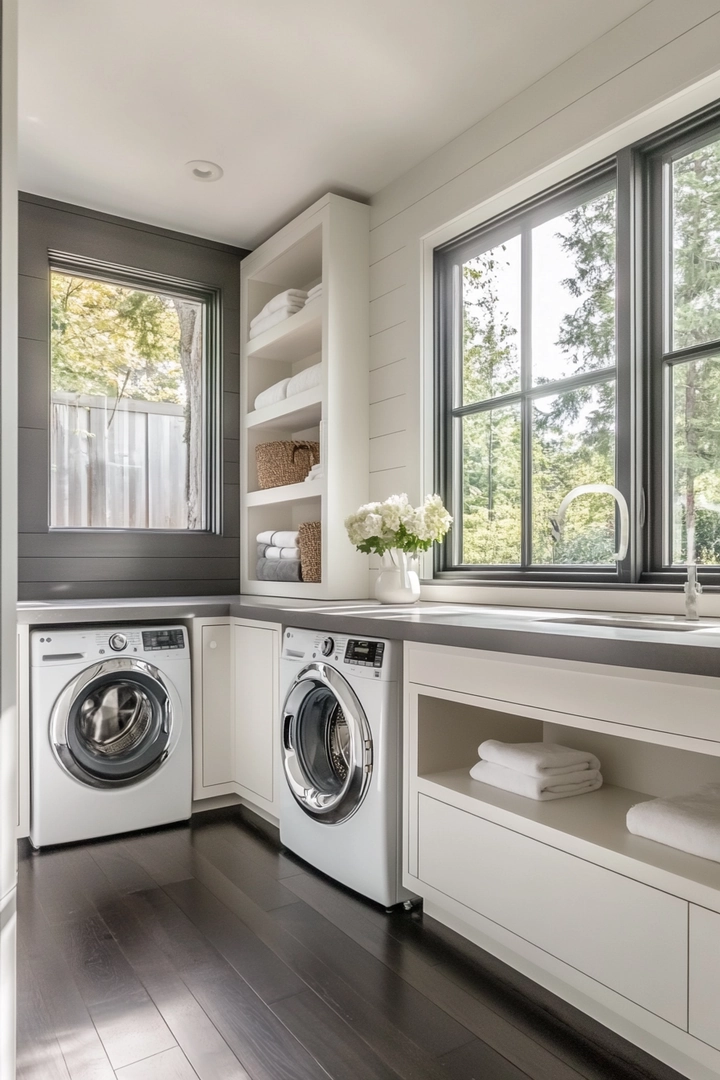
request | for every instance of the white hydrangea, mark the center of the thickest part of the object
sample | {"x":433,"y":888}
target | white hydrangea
{"x":380,"y":526}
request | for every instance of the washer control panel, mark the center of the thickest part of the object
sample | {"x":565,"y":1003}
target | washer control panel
{"x":66,"y":646}
{"x":162,"y":640}
{"x":364,"y":653}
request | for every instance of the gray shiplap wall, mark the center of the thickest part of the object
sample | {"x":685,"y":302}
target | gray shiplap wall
{"x":86,"y":564}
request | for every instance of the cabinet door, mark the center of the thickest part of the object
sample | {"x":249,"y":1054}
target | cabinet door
{"x":620,"y":932}
{"x":704,"y":998}
{"x":217,"y":712}
{"x":256,"y":676}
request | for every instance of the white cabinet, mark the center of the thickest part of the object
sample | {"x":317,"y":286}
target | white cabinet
{"x":601,"y":923}
{"x":255,"y":665}
{"x":704,"y":996}
{"x":235,"y":710}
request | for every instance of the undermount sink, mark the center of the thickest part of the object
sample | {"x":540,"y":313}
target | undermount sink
{"x":679,"y":626}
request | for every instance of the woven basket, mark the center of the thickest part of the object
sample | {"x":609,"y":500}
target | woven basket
{"x":280,"y":463}
{"x":310,"y":551}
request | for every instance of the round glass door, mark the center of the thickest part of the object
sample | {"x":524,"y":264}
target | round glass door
{"x":327,"y":745}
{"x":112,"y":724}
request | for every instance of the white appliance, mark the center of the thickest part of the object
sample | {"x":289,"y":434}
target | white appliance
{"x":110,"y":731}
{"x":341,"y":753}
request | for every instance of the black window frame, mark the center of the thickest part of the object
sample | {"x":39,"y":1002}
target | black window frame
{"x":641,"y":364}
{"x":62,"y":262}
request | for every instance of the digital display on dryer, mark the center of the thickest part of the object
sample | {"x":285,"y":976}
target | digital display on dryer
{"x":365,"y":653}
{"x":155,"y":640}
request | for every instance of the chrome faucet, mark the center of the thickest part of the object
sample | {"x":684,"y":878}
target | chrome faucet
{"x":692,"y":589}
{"x":557,"y":523}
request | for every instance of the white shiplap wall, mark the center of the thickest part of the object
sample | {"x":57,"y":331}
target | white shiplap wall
{"x":657,"y":65}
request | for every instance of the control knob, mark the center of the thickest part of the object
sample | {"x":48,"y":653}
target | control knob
{"x":328,"y":646}
{"x":118,"y":642}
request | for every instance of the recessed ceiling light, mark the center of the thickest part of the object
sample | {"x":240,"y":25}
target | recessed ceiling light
{"x":206,"y":171}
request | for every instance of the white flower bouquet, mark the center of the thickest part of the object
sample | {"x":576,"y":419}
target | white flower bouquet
{"x":395,"y":524}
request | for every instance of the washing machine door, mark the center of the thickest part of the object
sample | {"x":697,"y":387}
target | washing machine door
{"x":112,"y":724}
{"x":326,"y":744}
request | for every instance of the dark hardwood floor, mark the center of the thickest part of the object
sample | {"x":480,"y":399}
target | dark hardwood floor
{"x":205,"y":951}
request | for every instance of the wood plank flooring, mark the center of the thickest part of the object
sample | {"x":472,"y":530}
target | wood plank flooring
{"x":206,"y":952}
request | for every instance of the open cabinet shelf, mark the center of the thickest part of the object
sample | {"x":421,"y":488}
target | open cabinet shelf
{"x":328,"y":244}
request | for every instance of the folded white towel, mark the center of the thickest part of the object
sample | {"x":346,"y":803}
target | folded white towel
{"x":273,"y":319}
{"x":541,"y":788}
{"x":279,"y":539}
{"x":315,"y":289}
{"x":688,"y":822}
{"x":314,"y":294}
{"x":537,"y":759}
{"x":281,"y":552}
{"x":273,"y":394}
{"x":283,"y":299}
{"x":305,"y":380}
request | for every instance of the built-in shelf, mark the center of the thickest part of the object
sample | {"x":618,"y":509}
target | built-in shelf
{"x":292,"y":414}
{"x":293,"y":339}
{"x":288,"y":493}
{"x":591,"y":826}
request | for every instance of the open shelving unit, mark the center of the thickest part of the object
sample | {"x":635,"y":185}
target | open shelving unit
{"x":327,"y":244}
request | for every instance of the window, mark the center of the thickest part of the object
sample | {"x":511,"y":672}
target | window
{"x":131,"y":387}
{"x":578,"y":347}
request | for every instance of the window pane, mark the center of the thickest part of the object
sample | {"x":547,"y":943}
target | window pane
{"x":491,"y":323}
{"x":696,"y":462}
{"x":127,"y":407}
{"x":573,"y":291}
{"x":491,"y":481}
{"x":573,"y":444}
{"x":696,"y":247}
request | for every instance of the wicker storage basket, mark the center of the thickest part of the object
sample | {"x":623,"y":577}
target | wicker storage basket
{"x":310,"y":551}
{"x":280,"y":463}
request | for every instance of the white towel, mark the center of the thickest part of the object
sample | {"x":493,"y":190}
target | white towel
{"x":290,"y":297}
{"x":279,"y":539}
{"x":537,"y":759}
{"x":272,"y":320}
{"x":688,"y":822}
{"x":273,"y":394}
{"x":541,"y":788}
{"x":305,"y":380}
{"x":314,"y":294}
{"x":281,"y":553}
{"x":316,"y":473}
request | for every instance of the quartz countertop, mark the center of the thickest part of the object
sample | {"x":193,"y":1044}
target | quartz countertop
{"x":524,"y":631}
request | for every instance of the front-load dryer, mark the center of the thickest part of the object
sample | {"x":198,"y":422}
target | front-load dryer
{"x":111,"y":737}
{"x":341,"y":759}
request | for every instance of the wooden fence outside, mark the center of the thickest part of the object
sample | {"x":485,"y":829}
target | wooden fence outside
{"x":117,"y":465}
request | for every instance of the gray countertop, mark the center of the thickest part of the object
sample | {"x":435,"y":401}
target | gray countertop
{"x":531,"y":632}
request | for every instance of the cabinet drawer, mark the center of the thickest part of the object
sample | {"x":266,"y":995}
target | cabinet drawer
{"x":704,"y":996}
{"x":628,"y":936}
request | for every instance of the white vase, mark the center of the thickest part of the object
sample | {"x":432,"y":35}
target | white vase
{"x":398,"y":582}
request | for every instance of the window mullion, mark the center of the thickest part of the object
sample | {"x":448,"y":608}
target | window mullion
{"x":526,"y":405}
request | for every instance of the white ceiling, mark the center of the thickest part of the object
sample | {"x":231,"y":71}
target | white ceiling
{"x":292,"y":97}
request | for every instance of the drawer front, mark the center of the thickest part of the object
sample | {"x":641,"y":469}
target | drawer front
{"x":704,"y":997}
{"x":659,"y":701}
{"x":628,"y":936}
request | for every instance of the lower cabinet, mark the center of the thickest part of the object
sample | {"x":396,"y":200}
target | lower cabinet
{"x":626,"y":935}
{"x":704,"y":996}
{"x":235,"y":703}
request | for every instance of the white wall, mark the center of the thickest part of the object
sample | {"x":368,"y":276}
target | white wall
{"x":656,"y":66}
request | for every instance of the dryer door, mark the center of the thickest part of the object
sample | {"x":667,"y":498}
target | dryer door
{"x":111,"y":725}
{"x":326,"y":745}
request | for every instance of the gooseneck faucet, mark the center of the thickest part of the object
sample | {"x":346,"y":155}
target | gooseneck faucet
{"x":692,"y":589}
{"x":557,"y":523}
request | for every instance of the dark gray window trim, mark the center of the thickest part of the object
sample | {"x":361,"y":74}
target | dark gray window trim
{"x":94,"y":269}
{"x":640,"y":360}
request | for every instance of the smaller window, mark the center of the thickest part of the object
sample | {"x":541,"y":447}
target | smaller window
{"x":130,"y":393}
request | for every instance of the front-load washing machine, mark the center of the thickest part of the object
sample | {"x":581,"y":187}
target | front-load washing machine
{"x":111,"y":737}
{"x":341,"y":754}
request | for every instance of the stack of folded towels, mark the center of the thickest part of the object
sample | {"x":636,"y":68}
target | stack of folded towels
{"x":278,"y":556}
{"x":314,"y":293}
{"x":276,"y":310}
{"x":537,"y":770}
{"x":687,"y":822}
{"x":286,"y":388}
